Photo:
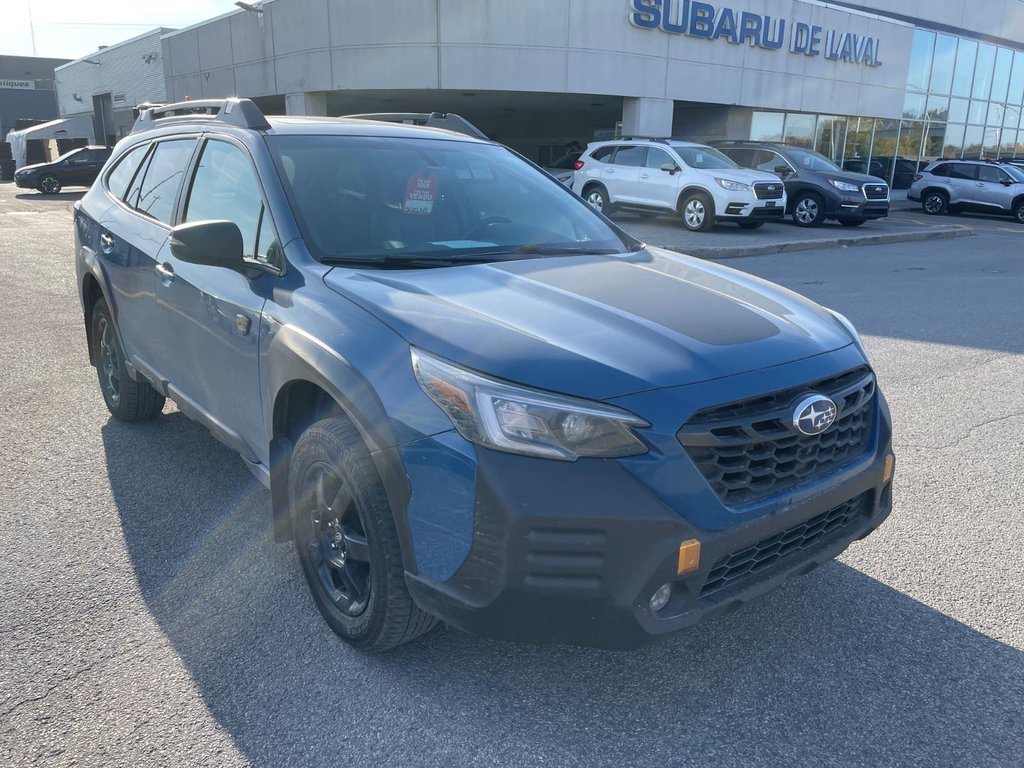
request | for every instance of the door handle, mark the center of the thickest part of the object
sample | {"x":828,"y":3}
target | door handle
{"x":645,"y":176}
{"x":106,"y":243}
{"x":166,"y":273}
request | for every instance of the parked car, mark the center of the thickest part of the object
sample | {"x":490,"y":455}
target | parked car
{"x":817,"y":188}
{"x":882,"y":168}
{"x":77,"y":168}
{"x":986,"y":186}
{"x":472,"y":397}
{"x":696,"y":182}
{"x":564,"y":167}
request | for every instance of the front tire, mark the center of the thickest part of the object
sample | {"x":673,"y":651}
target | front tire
{"x":127,"y":400}
{"x":808,"y":211}
{"x":1018,"y":211}
{"x":346,"y":540}
{"x":935,"y":203}
{"x":50,"y":184}
{"x":697,"y":211}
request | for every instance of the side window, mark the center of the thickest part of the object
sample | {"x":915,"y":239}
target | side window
{"x":225,"y":187}
{"x":163,"y":177}
{"x":742,"y":157}
{"x":603,"y":154}
{"x":940,"y":170}
{"x":768,"y":161}
{"x":963,"y":171}
{"x":659,"y":157}
{"x":268,"y":249}
{"x":123,"y":173}
{"x":992,"y":174}
{"x":633,"y":157}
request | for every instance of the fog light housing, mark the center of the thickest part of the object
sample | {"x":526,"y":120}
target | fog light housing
{"x":890,"y":467}
{"x":661,"y":597}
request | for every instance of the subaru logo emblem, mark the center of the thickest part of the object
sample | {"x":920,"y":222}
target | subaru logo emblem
{"x":814,"y":414}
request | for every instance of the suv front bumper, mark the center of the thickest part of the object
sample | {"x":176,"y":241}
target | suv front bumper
{"x":574,"y":556}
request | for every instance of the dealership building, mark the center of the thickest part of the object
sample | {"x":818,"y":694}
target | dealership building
{"x":858,"y":81}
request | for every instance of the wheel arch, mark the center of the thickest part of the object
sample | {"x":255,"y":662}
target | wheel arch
{"x":691,"y":189}
{"x":92,"y":292}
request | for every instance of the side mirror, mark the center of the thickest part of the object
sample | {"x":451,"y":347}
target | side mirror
{"x":782,"y":170}
{"x":213,"y":243}
{"x":1007,"y":183}
{"x":671,"y":169}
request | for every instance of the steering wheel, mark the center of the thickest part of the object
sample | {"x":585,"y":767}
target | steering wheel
{"x":489,"y":221}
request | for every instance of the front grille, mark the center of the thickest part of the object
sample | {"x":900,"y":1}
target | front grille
{"x":876,"y":191}
{"x":734,"y":569}
{"x":766,"y":191}
{"x":748,"y":450}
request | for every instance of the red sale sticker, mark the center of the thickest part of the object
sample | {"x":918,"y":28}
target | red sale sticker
{"x":420,"y":193}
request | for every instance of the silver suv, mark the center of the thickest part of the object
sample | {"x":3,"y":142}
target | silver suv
{"x":981,"y":185}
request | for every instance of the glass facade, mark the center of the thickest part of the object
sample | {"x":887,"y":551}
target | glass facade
{"x":964,"y":99}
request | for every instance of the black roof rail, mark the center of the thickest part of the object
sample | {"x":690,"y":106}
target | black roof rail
{"x":449,"y":121}
{"x":241,"y":112}
{"x":658,"y":139}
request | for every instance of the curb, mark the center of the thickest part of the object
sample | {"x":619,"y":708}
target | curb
{"x":726,"y":252}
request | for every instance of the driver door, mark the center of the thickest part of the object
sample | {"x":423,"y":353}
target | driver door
{"x":657,"y":187}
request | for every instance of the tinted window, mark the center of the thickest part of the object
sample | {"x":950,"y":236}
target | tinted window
{"x":659,"y":157}
{"x":603,"y":154}
{"x":940,"y":170}
{"x":634,"y":157}
{"x":163,"y":177}
{"x":375,"y":198}
{"x":119,"y":178}
{"x":963,"y":171}
{"x":992,"y":174}
{"x":768,"y":161}
{"x":225,"y":187}
{"x":743,"y":157}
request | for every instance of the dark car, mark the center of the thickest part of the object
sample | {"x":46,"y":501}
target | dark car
{"x":817,"y":188}
{"x":472,"y":397}
{"x":883,"y":167}
{"x":77,"y":168}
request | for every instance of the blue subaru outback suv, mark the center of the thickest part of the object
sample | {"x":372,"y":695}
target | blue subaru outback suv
{"x":473,"y":398}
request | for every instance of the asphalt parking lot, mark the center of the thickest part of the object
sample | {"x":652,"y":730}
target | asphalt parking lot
{"x":146,"y":618}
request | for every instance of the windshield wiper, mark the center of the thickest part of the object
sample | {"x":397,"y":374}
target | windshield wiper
{"x":412,"y":261}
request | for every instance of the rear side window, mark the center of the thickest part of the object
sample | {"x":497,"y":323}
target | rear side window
{"x":603,"y":154}
{"x":742,"y":157}
{"x":963,"y":171}
{"x":634,"y":157}
{"x":163,"y":177}
{"x":123,"y":173}
{"x":225,"y":187}
{"x":940,"y":170}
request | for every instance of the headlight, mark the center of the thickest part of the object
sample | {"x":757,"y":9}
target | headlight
{"x":844,"y":186}
{"x":845,"y":322}
{"x":733,"y":186}
{"x":509,"y":418}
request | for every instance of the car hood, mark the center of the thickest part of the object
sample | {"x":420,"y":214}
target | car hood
{"x":851,"y":177}
{"x":745,"y":175}
{"x":597,"y":326}
{"x":33,"y":167}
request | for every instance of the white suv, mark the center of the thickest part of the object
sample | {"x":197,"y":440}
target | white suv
{"x":699,"y":183}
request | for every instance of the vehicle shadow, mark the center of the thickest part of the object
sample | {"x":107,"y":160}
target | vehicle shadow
{"x":39,"y":196}
{"x":834,"y":669}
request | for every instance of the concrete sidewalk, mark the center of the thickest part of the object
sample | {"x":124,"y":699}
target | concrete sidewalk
{"x":905,"y":223}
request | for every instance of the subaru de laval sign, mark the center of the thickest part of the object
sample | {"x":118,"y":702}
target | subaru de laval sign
{"x":699,"y":19}
{"x":18,"y":85}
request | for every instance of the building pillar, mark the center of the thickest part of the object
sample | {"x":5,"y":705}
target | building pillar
{"x":647,"y":117}
{"x":313,"y":104}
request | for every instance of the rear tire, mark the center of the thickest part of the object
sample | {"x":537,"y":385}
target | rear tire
{"x":935,"y":203}
{"x":346,"y":540}
{"x":127,"y":400}
{"x":598,"y":198}
{"x":697,"y":211}
{"x":852,"y":222}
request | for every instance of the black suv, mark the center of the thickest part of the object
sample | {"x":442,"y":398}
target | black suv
{"x":817,"y":188}
{"x":78,"y":168}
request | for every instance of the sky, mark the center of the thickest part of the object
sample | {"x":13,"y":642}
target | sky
{"x":70,"y":29}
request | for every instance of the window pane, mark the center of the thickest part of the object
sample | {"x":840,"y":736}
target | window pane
{"x":633,"y":157}
{"x":973,"y":137}
{"x":602,"y":154}
{"x":953,"y":143}
{"x":920,"y":61}
{"x":938,"y":108}
{"x":1001,"y":76}
{"x":884,"y":147}
{"x":121,"y":176}
{"x":990,"y":146}
{"x":914,"y":106}
{"x":225,"y":187}
{"x":831,"y":137}
{"x":1016,"y":93}
{"x":1011,"y":118}
{"x":658,"y":157}
{"x":911,"y":135}
{"x":964,"y":74}
{"x":958,"y":110}
{"x":963,"y":172}
{"x":766,"y":126}
{"x":978,"y":112}
{"x":1018,"y":150}
{"x":995,"y":115}
{"x":768,"y":161}
{"x":1007,"y":145}
{"x":858,"y":144}
{"x":983,"y":71}
{"x":942,"y":68}
{"x":990,"y":174}
{"x":800,"y":130}
{"x":267,"y":247}
{"x":163,"y":177}
{"x":934,"y":141}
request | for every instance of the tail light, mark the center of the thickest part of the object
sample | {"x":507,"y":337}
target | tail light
{"x":579,"y":165}
{"x":918,"y":177}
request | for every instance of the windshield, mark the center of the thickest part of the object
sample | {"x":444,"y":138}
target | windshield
{"x":384,"y":200}
{"x":811,"y":161}
{"x":704,"y":157}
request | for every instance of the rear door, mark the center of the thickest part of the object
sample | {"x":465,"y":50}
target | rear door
{"x":658,"y":187}
{"x":623,"y":175}
{"x":209,"y":317}
{"x":963,"y":183}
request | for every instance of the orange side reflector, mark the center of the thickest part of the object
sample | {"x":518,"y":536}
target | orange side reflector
{"x":890,"y":466}
{"x":689,"y":556}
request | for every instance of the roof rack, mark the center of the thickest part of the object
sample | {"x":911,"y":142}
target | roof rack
{"x":658,"y":139}
{"x":446,"y":120}
{"x":241,"y":112}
